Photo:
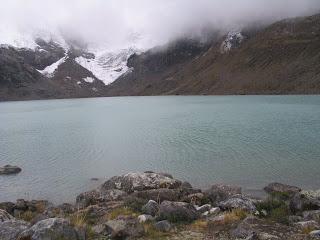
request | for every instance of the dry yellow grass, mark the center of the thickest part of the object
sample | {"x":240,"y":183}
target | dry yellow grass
{"x":122,"y":211}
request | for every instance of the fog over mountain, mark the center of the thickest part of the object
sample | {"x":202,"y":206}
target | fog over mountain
{"x":115,"y":24}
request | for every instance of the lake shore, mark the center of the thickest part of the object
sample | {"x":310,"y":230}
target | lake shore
{"x":150,"y":205}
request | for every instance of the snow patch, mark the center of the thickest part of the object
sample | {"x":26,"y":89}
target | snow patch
{"x":107,"y":66}
{"x":233,"y":40}
{"x":88,"y":79}
{"x":49,"y":70}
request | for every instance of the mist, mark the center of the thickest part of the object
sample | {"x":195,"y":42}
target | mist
{"x":145,"y":23}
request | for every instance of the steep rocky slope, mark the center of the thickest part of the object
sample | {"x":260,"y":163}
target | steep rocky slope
{"x":283,"y":58}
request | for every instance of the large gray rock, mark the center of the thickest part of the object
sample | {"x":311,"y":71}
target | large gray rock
{"x":238,"y":202}
{"x":8,"y":169}
{"x":177,"y":211}
{"x":151,"y":208}
{"x":51,"y":229}
{"x":160,"y":194}
{"x":123,"y":228}
{"x":275,"y":187}
{"x":131,"y":182}
{"x":4,"y":216}
{"x":10,"y":230}
{"x":99,"y":195}
{"x":163,"y":226}
{"x":220,"y":192}
{"x":305,"y":200}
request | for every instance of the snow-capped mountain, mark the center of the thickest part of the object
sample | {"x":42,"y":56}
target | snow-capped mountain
{"x":107,"y":65}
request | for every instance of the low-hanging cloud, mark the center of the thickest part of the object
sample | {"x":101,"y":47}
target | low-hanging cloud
{"x":115,"y":23}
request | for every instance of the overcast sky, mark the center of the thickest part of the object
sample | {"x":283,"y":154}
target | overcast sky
{"x":113,"y":22}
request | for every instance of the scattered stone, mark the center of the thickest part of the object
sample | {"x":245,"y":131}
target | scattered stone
{"x":212,"y":211}
{"x":217,"y":219}
{"x":238,"y":202}
{"x":267,"y":236}
{"x":4,"y":216}
{"x":221,"y":192}
{"x":294,"y":219}
{"x":163,"y":226}
{"x":203,"y":208}
{"x":122,"y":228}
{"x":8,"y":169}
{"x":21,"y":204}
{"x":51,"y":228}
{"x":151,"y":208}
{"x":99,"y":229}
{"x":178,"y":211}
{"x":145,"y":218}
{"x":282,"y":188}
{"x":307,"y":224}
{"x":10,"y":230}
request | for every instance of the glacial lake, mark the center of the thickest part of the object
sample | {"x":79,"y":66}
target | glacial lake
{"x":243,"y":140}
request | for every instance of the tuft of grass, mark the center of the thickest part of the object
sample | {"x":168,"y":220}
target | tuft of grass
{"x":122,"y":211}
{"x":234,"y":216}
{"x":79,"y":219}
{"x":308,"y":229}
{"x":134,"y":203}
{"x":277,"y":209}
{"x":199,"y":225}
{"x":27,"y":216}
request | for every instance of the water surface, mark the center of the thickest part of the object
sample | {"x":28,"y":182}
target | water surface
{"x":244,"y":140}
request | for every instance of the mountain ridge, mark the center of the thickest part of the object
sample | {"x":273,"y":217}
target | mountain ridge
{"x":281,"y":58}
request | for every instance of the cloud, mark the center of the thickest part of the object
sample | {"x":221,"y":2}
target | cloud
{"x":114,"y":23}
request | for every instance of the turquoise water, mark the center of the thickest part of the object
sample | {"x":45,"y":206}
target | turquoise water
{"x":244,"y":140}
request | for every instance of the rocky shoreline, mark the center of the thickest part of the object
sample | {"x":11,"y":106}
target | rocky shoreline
{"x":157,"y":206}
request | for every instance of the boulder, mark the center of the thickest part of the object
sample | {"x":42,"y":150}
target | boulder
{"x":160,"y":195}
{"x":177,"y":211}
{"x":122,"y":228}
{"x":21,"y":204}
{"x":305,"y":200}
{"x":220,"y":192}
{"x":151,"y":208}
{"x":311,"y":215}
{"x":238,"y":202}
{"x":4,"y":216}
{"x":131,"y":182}
{"x":51,"y":228}
{"x":315,"y":234}
{"x":10,"y":230}
{"x":7,"y":206}
{"x":8,"y":169}
{"x":163,"y":226}
{"x":99,"y":195}
{"x":280,"y":188}
{"x":194,"y":198}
